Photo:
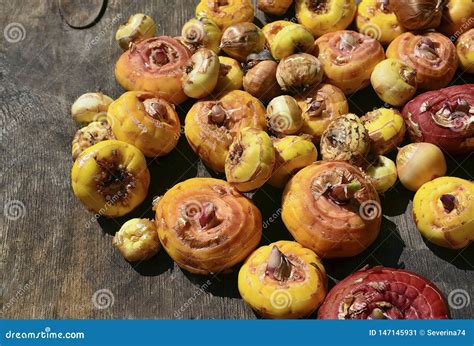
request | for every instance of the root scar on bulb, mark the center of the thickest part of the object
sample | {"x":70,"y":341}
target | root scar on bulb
{"x":114,"y":181}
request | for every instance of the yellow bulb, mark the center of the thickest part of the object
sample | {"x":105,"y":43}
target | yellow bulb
{"x":226,"y":13}
{"x":148,"y":122}
{"x":277,"y":292}
{"x":292,"y":154}
{"x":449,"y":224}
{"x":110,"y":178}
{"x":250,"y":161}
{"x":326,"y":16}
{"x":374,"y":19}
{"x":230,"y":75}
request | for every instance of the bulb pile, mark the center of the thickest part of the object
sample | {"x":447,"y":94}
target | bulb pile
{"x":265,"y":101}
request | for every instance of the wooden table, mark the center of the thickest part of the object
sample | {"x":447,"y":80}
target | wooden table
{"x":55,"y":255}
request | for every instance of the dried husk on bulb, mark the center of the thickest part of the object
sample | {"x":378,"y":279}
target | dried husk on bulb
{"x":89,"y":135}
{"x":418,"y":14}
{"x":242,"y":39}
{"x":346,"y":139}
{"x":299,"y":71}
{"x":260,"y":81}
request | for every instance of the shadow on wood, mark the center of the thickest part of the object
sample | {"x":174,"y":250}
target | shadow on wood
{"x":156,"y":265}
{"x":386,"y":251}
{"x":222,"y":285}
{"x":461,"y":258}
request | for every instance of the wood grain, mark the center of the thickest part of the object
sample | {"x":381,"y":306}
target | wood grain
{"x":55,"y":255}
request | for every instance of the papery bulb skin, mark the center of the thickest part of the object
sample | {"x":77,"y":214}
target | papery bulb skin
{"x":298,"y":72}
{"x":260,"y":81}
{"x":242,"y":39}
{"x":346,"y":139}
{"x":418,"y":14}
{"x":95,"y":132}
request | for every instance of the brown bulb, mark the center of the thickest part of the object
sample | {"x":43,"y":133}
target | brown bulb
{"x":418,"y":14}
{"x":260,"y":81}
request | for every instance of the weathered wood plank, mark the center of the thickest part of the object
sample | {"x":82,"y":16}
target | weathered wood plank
{"x":55,"y":255}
